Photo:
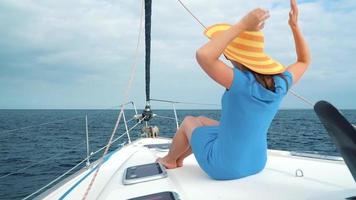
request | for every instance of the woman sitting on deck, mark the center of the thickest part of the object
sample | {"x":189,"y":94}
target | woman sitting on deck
{"x":236,"y":146}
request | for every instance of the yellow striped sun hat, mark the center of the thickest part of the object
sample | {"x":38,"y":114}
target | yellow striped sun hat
{"x":248,"y":49}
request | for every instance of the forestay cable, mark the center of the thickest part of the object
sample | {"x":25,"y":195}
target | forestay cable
{"x":126,"y":94}
{"x":305,"y":100}
{"x":196,"y":18}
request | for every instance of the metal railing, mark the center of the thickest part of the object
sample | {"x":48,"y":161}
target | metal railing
{"x":87,"y":159}
{"x":89,"y":154}
{"x":173,"y":103}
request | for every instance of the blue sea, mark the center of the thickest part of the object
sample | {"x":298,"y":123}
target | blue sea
{"x":59,"y":142}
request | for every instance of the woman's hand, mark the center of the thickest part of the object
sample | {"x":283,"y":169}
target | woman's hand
{"x":254,"y":20}
{"x":293,"y":14}
{"x":303,"y":54}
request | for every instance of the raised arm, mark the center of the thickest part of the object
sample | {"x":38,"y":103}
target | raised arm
{"x":303,"y":54}
{"x":209,"y":54}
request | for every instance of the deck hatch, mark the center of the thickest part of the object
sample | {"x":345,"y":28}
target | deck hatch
{"x":159,"y":196}
{"x":143,"y":173}
{"x":163,"y":146}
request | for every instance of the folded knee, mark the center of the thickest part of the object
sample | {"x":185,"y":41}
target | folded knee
{"x":201,"y":117}
{"x":190,"y":122}
{"x":188,"y":118}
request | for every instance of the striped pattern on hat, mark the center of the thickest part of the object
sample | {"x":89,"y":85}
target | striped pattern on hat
{"x":248,"y":49}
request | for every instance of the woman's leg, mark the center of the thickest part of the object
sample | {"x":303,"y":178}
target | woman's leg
{"x":206,"y":122}
{"x":181,"y":142}
{"x":183,"y":156}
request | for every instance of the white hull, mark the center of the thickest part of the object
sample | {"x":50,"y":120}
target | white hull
{"x":323,"y":179}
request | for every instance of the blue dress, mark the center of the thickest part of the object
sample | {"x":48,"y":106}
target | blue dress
{"x":238,"y":146}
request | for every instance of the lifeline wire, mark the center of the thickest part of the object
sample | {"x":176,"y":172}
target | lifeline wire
{"x":94,"y":153}
{"x":305,"y":100}
{"x":56,"y":179}
{"x":39,"y":162}
{"x":187,"y":103}
{"x":126,"y":94}
{"x":46,"y":123}
{"x":59,"y":120}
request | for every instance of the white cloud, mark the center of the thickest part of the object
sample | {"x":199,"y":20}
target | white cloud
{"x":85,"y":48}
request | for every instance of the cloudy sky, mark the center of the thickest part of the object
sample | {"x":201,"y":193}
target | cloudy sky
{"x":78,"y":54}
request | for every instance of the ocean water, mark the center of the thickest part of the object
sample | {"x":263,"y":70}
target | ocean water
{"x":61,"y":145}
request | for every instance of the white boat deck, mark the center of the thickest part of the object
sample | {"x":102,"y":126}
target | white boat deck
{"x":323,"y":179}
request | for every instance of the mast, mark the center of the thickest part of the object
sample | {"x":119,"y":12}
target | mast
{"x":148,"y":14}
{"x":147,"y":113}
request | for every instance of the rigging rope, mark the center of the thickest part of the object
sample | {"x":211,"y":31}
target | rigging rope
{"x":163,"y":117}
{"x":305,"y":100}
{"x":56,"y":179}
{"x":62,"y":120}
{"x":126,"y":94}
{"x":116,"y":139}
{"x":148,"y":6}
{"x":196,"y":18}
{"x":92,"y":154}
{"x":187,"y":103}
{"x":302,"y":98}
{"x":70,"y":149}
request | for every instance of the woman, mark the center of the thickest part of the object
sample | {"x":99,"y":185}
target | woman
{"x":236,"y":146}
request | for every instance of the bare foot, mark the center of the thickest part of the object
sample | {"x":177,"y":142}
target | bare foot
{"x":179,"y":163}
{"x":167,"y":164}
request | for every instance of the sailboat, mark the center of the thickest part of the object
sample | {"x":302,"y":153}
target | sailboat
{"x":130,"y":172}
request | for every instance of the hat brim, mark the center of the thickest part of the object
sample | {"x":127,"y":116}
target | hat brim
{"x":257,"y":62}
